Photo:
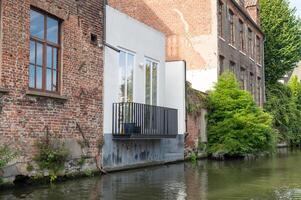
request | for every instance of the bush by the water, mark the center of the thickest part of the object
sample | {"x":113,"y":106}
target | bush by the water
{"x":236,"y":125}
{"x":284,"y":103}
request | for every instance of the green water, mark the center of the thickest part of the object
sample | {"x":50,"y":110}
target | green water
{"x":266,"y":178}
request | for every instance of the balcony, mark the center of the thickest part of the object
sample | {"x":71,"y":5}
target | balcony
{"x":141,"y":121}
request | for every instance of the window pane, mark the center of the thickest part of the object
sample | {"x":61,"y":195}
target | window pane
{"x":52,"y":30}
{"x":148,"y":83}
{"x":32,"y":52}
{"x":55,"y":60}
{"x":48,"y":80}
{"x":154,"y":84}
{"x":130,"y":66}
{"x":122,"y":67}
{"x":49,"y":57}
{"x":39,"y":54}
{"x":39,"y":77}
{"x":31,"y":76}
{"x":54,"y":81}
{"x":36,"y":24}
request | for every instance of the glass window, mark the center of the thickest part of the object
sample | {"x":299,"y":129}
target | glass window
{"x":126,"y":76}
{"x":220,"y":18}
{"x":232,"y":27}
{"x":242,"y":35}
{"x":44,"y":52}
{"x":151,"y":82}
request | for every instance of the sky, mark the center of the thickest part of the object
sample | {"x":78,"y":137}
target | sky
{"x":297,"y":4}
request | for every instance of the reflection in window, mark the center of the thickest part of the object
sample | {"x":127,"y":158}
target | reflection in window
{"x":126,"y":75}
{"x":44,"y":51}
{"x":151,"y":80}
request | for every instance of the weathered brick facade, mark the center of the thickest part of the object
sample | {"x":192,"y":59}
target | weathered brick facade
{"x":76,"y":112}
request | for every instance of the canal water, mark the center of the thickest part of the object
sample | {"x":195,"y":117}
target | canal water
{"x":263,"y":179}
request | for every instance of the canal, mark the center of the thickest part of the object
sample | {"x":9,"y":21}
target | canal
{"x":263,"y":179}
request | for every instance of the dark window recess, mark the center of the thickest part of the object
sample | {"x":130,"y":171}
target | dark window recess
{"x":93,"y":38}
{"x":44,"y":65}
{"x":135,"y":120}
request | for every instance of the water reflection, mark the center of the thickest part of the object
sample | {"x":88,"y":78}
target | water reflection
{"x":272,"y":178}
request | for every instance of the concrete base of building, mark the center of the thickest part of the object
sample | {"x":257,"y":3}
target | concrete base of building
{"x":127,"y":154}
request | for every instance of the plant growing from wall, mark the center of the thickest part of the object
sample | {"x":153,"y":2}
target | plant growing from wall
{"x":236,"y":125}
{"x":52,"y":156}
{"x":196,"y":100}
{"x":6,"y":155}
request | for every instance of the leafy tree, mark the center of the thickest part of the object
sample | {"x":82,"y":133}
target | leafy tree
{"x":283,"y":38}
{"x":284,"y":103}
{"x":236,"y":125}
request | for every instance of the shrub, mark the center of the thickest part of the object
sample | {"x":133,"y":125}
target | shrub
{"x":236,"y":125}
{"x":52,"y":156}
{"x":6,"y":155}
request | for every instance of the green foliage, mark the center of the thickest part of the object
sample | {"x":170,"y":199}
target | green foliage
{"x":52,"y":156}
{"x":196,"y":100}
{"x":284,"y":103}
{"x":283,"y":38}
{"x":81,"y":161}
{"x":236,"y":125}
{"x":88,"y":173}
{"x":193,"y":157}
{"x":6,"y":155}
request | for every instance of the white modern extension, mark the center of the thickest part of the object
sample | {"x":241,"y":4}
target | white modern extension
{"x":144,"y":97}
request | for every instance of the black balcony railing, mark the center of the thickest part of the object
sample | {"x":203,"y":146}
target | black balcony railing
{"x":135,"y":120}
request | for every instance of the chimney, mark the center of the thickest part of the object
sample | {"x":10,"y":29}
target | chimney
{"x":252,"y":7}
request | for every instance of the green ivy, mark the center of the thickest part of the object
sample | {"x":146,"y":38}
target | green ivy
{"x":236,"y":125}
{"x":196,"y":100}
{"x":284,"y":103}
{"x":6,"y":155}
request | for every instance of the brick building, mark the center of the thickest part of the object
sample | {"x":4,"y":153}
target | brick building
{"x":212,"y":36}
{"x":51,"y":68}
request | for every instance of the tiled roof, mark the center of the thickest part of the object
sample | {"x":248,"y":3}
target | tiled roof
{"x":251,"y":3}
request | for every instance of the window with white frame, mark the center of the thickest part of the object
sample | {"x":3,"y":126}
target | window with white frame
{"x":151,"y":82}
{"x":126,"y":76}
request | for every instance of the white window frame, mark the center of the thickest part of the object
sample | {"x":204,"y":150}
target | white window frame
{"x":148,"y":59}
{"x":126,"y":71}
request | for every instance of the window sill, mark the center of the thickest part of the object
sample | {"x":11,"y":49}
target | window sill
{"x":45,"y":94}
{"x":4,"y":90}
{"x":231,"y":45}
{"x":252,"y":59}
{"x":243,"y":53}
{"x":221,"y":38}
{"x":259,"y":65}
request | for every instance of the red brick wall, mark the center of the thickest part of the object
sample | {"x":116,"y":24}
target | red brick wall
{"x":24,"y":118}
{"x":181,"y":21}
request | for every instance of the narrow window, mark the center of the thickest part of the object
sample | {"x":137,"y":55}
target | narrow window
{"x":242,"y":78}
{"x":232,"y":27}
{"x":151,"y":80}
{"x":232,"y":67}
{"x":220,"y":18}
{"x":126,"y":75}
{"x":259,"y":90}
{"x":252,"y":84}
{"x":221,"y":64}
{"x":258,"y":49}
{"x":250,"y":43}
{"x":242,"y":35}
{"x":44,"y":69}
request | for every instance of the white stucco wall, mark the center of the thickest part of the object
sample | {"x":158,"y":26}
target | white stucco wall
{"x":175,"y":90}
{"x":123,"y":32}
